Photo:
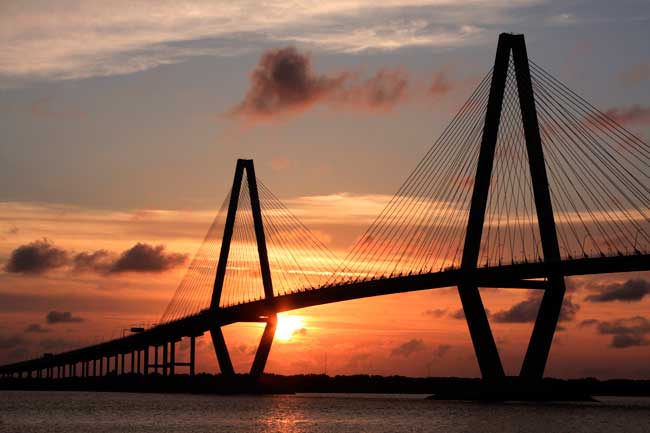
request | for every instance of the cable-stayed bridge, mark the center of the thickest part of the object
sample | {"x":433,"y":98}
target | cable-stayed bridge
{"x":527,"y":185}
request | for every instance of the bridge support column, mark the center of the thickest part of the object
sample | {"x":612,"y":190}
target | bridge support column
{"x":145,"y":364}
{"x":122,"y":369}
{"x":223,"y":357}
{"x":172,"y":357}
{"x":263,"y":350}
{"x":165,"y":356}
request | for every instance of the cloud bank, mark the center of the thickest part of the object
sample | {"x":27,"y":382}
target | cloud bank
{"x":42,"y":256}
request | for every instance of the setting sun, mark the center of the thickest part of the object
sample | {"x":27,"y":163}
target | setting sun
{"x":288,"y":326}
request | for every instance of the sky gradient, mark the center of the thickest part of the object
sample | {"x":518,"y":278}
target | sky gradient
{"x":121,"y":125}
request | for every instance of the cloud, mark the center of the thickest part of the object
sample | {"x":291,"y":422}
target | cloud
{"x":460,"y":314}
{"x":440,"y":85}
{"x":284,"y":81}
{"x":624,"y":340}
{"x":628,"y":332}
{"x":175,"y":31}
{"x":54,"y":317}
{"x":442,"y":350}
{"x":409,"y":348}
{"x":146,"y":258}
{"x":635,"y":74}
{"x":435,"y":313}
{"x":41,"y":256}
{"x":526,"y":311}
{"x":99,"y":261}
{"x":36,"y":328}
{"x":630,"y":291}
{"x":381,"y":92}
{"x":633,"y":115}
{"x":11,"y":342}
{"x":36,"y":257}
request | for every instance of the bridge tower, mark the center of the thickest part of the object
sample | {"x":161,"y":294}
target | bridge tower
{"x":264,"y":348}
{"x":549,"y":310}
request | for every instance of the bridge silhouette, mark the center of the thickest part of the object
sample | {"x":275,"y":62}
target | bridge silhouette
{"x":528,"y":184}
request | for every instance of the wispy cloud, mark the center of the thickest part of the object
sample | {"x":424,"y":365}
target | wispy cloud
{"x":77,"y":39}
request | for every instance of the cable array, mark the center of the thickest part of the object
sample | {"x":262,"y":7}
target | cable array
{"x":195,"y":289}
{"x":599,"y":174}
{"x":422,"y":228}
{"x":297,"y":258}
{"x":599,"y":183}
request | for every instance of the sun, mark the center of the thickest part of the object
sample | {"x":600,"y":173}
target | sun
{"x":288,"y":326}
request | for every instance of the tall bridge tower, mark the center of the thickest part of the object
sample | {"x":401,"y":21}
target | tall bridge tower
{"x":547,"y":318}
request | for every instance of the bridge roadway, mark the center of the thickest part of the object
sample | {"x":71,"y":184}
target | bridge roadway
{"x":520,"y":275}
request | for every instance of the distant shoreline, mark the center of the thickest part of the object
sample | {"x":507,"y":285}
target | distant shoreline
{"x":439,"y":387}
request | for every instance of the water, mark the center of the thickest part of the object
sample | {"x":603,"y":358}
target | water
{"x":76,"y":412}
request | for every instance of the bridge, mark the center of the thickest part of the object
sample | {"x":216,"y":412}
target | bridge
{"x":527,"y":185}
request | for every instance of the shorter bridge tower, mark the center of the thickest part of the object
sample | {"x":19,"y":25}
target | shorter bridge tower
{"x":264,"y":348}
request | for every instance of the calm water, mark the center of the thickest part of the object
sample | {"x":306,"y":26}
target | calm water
{"x":74,"y":412}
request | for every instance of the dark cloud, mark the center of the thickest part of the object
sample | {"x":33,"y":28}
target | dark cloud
{"x":526,"y":311}
{"x":284,"y":82}
{"x":40,"y":256}
{"x":460,"y":314}
{"x":62,"y":317}
{"x":630,"y":291}
{"x":435,"y":313}
{"x":35,"y":327}
{"x":442,"y":350}
{"x":383,"y":91}
{"x":629,"y":332}
{"x":146,"y":258}
{"x":11,"y":342}
{"x":409,"y":348}
{"x":99,"y":261}
{"x":622,"y":341}
{"x":588,"y":322}
{"x":36,"y":257}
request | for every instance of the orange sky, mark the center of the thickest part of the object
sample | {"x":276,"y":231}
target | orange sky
{"x":413,"y":334}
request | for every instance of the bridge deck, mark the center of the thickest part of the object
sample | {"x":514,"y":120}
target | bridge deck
{"x":523,"y":275}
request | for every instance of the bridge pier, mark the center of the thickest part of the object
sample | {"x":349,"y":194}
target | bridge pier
{"x":192,"y":354}
{"x":145,"y":364}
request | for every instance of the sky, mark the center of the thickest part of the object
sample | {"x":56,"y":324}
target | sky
{"x":121,"y":123}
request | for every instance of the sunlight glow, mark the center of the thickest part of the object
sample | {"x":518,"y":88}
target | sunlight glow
{"x":289,"y":326}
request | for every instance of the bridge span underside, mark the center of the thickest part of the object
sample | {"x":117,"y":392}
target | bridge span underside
{"x":528,"y":184}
